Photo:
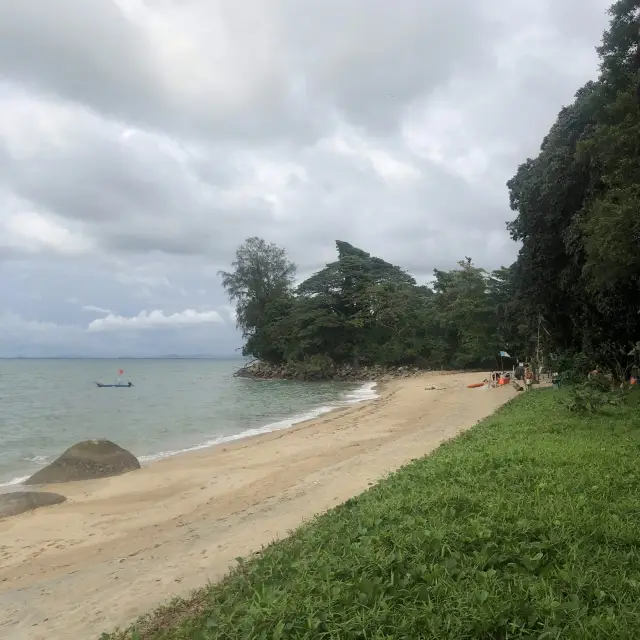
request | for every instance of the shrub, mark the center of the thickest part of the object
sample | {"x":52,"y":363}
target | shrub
{"x":593,"y":395}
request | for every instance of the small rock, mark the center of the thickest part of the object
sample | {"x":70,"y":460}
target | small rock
{"x":14,"y":503}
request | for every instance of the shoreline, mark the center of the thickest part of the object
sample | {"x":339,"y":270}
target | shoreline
{"x":369,"y":391}
{"x":122,"y":546}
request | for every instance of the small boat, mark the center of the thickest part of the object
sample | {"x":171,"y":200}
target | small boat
{"x":118,"y":382}
{"x":476,"y":385}
{"x":102,"y":384}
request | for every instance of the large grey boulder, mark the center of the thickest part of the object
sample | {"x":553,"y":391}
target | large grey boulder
{"x":85,"y":461}
{"x":11,"y":504}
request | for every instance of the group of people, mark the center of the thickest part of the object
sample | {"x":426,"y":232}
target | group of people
{"x":521,"y":373}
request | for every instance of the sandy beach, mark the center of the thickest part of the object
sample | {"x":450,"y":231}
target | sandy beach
{"x":121,"y":546}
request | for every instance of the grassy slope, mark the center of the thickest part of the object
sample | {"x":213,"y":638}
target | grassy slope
{"x":527,"y":526}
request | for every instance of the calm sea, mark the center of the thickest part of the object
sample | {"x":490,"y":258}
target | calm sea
{"x":174,"y":406}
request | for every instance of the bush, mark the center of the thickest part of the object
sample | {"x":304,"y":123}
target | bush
{"x":574,"y":368}
{"x":598,"y":382}
{"x":582,"y":399}
{"x":592,"y":395}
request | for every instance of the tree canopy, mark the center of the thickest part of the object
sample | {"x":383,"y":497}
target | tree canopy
{"x":578,"y":205}
{"x":260,"y":284}
{"x":575,"y":286}
{"x":361,"y":310}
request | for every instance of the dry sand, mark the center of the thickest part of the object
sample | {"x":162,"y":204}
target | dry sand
{"x":121,"y":546}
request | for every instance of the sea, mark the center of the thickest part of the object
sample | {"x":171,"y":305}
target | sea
{"x":175,"y":406}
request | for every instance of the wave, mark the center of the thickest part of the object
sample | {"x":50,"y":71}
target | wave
{"x":362,"y":394}
{"x":247,"y":433}
{"x":366,"y":392}
{"x":13,"y":482}
{"x":39,"y":460}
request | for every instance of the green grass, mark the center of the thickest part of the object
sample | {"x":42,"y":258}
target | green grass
{"x":526,"y":526}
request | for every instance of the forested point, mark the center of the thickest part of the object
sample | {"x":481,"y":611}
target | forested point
{"x":570,"y":300}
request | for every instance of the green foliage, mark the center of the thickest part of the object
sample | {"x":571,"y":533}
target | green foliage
{"x":574,"y":367}
{"x":466,"y":314}
{"x":593,"y":395}
{"x":526,"y":526}
{"x":584,"y":398}
{"x":577,"y":208}
{"x":260,"y":284}
{"x":575,"y":286}
{"x":363,"y":310}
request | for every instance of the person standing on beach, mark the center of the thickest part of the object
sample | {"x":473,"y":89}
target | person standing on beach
{"x":528,"y":378}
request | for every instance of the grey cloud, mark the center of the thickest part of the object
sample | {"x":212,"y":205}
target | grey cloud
{"x":133,"y":197}
{"x":53,"y":324}
{"x":116,"y":59}
{"x":285,"y":65}
{"x":141,"y":142}
{"x":86,"y":51}
{"x":582,"y":22}
{"x":371,"y":58}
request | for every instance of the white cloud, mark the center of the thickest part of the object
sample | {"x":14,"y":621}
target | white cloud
{"x":90,"y":307}
{"x":154,"y":319}
{"x":24,"y":228}
{"x":371,"y":156}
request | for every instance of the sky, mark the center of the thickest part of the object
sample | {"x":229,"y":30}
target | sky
{"x":141,"y":141}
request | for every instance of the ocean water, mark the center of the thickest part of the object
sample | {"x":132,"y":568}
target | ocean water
{"x":174,"y":406}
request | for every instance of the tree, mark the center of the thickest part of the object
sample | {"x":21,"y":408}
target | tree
{"x":516,"y":330}
{"x":260,"y":283}
{"x":576,"y":280}
{"x":466,"y":315}
{"x":363,"y":310}
{"x":577,"y":204}
{"x":339,"y":313}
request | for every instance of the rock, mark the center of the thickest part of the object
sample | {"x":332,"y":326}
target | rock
{"x":346,"y":372}
{"x":85,"y":461}
{"x":12,"y":504}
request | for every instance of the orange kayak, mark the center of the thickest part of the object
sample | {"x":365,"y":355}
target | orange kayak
{"x":476,"y":385}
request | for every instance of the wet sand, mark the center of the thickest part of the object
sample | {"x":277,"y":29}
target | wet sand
{"x":121,"y":546}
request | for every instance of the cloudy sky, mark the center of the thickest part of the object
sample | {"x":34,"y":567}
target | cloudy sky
{"x":142,"y":140}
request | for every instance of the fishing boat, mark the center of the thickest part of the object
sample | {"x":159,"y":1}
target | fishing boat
{"x":117,"y":383}
{"x":124,"y":384}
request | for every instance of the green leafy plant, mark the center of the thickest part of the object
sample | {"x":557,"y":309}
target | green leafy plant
{"x":593,"y":395}
{"x":574,"y":367}
{"x":525,"y":526}
{"x":585,"y":399}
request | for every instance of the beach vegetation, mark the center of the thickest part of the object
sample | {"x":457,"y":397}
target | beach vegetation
{"x":579,"y":264}
{"x":363,"y":310}
{"x":260,"y":284}
{"x":526,"y":526}
{"x":572,"y":292}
